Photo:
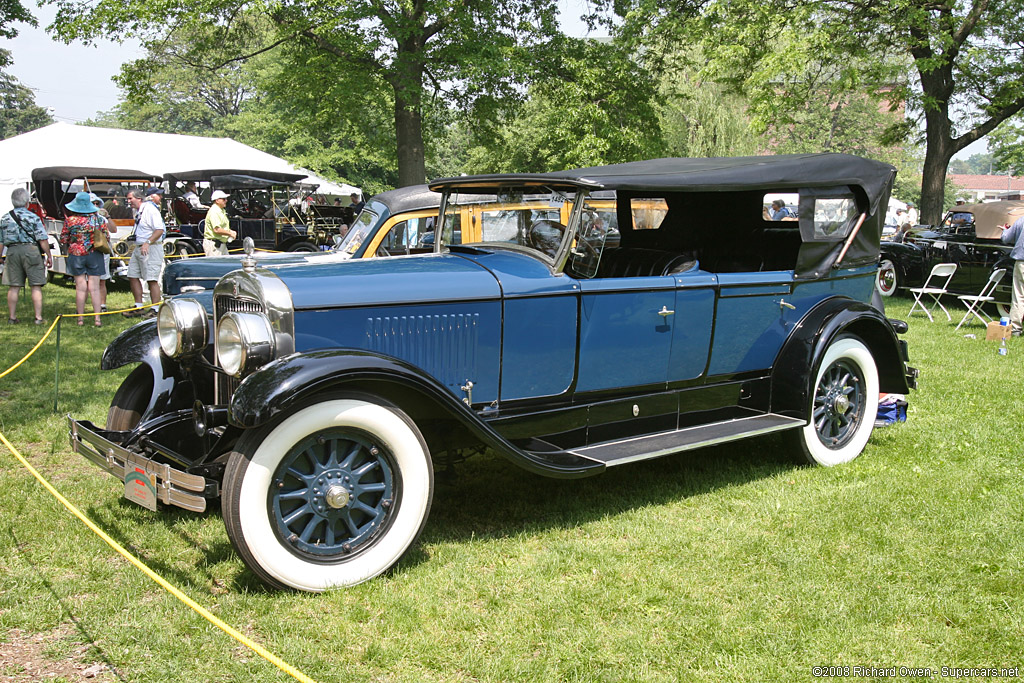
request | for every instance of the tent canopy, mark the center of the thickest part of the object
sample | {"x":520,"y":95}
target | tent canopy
{"x":157,"y":154}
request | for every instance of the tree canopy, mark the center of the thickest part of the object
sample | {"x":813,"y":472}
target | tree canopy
{"x":453,"y":49}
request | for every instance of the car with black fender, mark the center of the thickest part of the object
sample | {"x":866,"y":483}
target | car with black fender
{"x":969,"y":236}
{"x":261,"y":206}
{"x":55,"y":186}
{"x":317,"y":399}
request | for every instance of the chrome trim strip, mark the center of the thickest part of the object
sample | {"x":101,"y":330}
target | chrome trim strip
{"x":173,"y":487}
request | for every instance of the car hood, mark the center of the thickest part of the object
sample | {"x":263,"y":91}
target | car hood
{"x":380,"y":281}
{"x":205,"y":271}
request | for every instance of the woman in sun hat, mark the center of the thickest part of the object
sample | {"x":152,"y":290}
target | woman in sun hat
{"x":84,"y":263}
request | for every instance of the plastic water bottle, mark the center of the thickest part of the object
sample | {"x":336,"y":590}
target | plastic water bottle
{"x":1004,"y":324}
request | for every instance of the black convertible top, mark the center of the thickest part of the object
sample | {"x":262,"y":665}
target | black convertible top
{"x":69,"y":173}
{"x":719,"y":174}
{"x":206,"y":175}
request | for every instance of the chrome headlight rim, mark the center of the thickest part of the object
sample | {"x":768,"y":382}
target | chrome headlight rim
{"x":182,"y":328}
{"x":245,"y":342}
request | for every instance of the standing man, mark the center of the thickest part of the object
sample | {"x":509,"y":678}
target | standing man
{"x":217,"y":232}
{"x":911,"y":213}
{"x":148,"y":256}
{"x":1014,"y":234}
{"x":23,"y":234}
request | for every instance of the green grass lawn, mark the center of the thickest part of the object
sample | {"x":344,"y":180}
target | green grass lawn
{"x":730,"y":563}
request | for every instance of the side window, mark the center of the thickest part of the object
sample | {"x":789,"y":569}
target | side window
{"x":780,"y":206}
{"x":648,"y":213}
{"x":833,"y":217}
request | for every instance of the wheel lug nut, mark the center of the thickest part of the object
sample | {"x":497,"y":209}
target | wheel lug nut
{"x":373,"y":450}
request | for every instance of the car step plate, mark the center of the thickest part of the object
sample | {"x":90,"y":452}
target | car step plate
{"x":656,"y":445}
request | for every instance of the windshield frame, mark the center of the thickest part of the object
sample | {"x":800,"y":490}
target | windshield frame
{"x":574,"y":195}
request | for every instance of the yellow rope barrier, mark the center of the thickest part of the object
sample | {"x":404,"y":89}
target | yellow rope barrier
{"x":163,"y":583}
{"x":34,"y":349}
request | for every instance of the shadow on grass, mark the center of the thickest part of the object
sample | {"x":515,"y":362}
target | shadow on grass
{"x":491,"y":498}
{"x":67,"y":608}
{"x":488,"y":497}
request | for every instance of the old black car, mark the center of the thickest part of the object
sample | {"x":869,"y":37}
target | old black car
{"x":969,"y":237}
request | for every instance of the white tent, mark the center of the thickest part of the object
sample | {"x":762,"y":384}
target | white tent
{"x":65,"y":144}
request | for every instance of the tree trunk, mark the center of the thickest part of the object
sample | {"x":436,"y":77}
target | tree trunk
{"x":412,"y":167}
{"x":939,"y":151}
{"x":407,"y":80}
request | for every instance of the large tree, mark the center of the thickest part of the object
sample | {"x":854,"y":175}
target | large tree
{"x":966,"y":57}
{"x":463,"y":49}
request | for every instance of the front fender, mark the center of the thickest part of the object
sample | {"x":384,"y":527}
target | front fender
{"x":139,"y":344}
{"x":281,"y":385}
{"x":798,"y":360}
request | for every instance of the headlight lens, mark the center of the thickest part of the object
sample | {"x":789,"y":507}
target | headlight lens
{"x":181,"y":326}
{"x":245,"y":342}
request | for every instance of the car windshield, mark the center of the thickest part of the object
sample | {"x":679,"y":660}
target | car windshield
{"x":357,"y":232}
{"x":532,"y":219}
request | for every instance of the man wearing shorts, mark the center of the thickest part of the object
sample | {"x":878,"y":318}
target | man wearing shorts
{"x":21,"y":231}
{"x":148,"y":256}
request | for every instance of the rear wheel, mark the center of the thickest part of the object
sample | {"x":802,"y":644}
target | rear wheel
{"x":330,"y":495}
{"x":185,"y":249}
{"x":887,"y":279}
{"x":130,"y":400}
{"x":304,"y":246}
{"x":844,"y":403}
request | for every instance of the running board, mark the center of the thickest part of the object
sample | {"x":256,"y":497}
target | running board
{"x":656,"y":445}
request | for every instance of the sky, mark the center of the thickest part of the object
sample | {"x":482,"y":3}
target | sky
{"x":74,"y":81}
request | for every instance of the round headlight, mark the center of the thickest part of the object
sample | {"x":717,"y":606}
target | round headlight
{"x":181,"y":326}
{"x":245,"y":341}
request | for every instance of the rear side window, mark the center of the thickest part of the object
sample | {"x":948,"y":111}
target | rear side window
{"x":648,"y":213}
{"x":833,"y":217}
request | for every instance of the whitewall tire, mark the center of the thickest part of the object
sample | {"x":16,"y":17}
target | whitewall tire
{"x":329,"y":496}
{"x":844,"y":403}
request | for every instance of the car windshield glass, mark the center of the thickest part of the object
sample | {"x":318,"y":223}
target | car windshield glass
{"x":532,"y":219}
{"x":357,"y":232}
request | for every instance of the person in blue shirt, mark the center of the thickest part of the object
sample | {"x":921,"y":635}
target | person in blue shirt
{"x":1014,"y":234}
{"x":28,"y":255}
{"x":780,"y":211}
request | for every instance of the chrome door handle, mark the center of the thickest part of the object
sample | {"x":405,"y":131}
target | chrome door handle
{"x":785,"y":304}
{"x":664,"y":312}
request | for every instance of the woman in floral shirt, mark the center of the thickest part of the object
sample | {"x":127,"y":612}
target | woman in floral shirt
{"x":84,"y":263}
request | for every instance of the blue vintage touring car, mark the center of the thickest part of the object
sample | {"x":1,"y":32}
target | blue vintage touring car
{"x":318,"y":398}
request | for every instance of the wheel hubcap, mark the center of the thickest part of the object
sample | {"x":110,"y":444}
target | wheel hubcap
{"x":332,"y":494}
{"x":838,"y":404}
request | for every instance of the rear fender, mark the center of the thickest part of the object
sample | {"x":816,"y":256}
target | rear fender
{"x":800,"y":357}
{"x":281,"y":386}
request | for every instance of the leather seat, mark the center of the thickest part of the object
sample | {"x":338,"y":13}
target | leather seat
{"x":640,"y":262}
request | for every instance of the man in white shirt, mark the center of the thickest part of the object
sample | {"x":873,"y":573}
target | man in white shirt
{"x":147,"y":260}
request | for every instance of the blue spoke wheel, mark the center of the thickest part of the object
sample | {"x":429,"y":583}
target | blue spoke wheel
{"x":844,"y":403}
{"x":334,"y":493}
{"x":329,"y":495}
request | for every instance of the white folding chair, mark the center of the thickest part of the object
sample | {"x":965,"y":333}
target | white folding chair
{"x":975,"y":302}
{"x":942,"y":272}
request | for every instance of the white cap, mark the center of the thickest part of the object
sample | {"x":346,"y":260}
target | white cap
{"x":218,"y":194}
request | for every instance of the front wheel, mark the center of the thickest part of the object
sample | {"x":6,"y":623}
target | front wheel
{"x":887,"y":279}
{"x":331,"y":495}
{"x":843,"y":405}
{"x":304,"y":246}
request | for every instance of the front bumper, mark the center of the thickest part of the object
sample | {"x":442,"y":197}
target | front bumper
{"x":173,"y":486}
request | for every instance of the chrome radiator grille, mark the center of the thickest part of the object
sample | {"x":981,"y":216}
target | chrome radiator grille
{"x":228,"y":304}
